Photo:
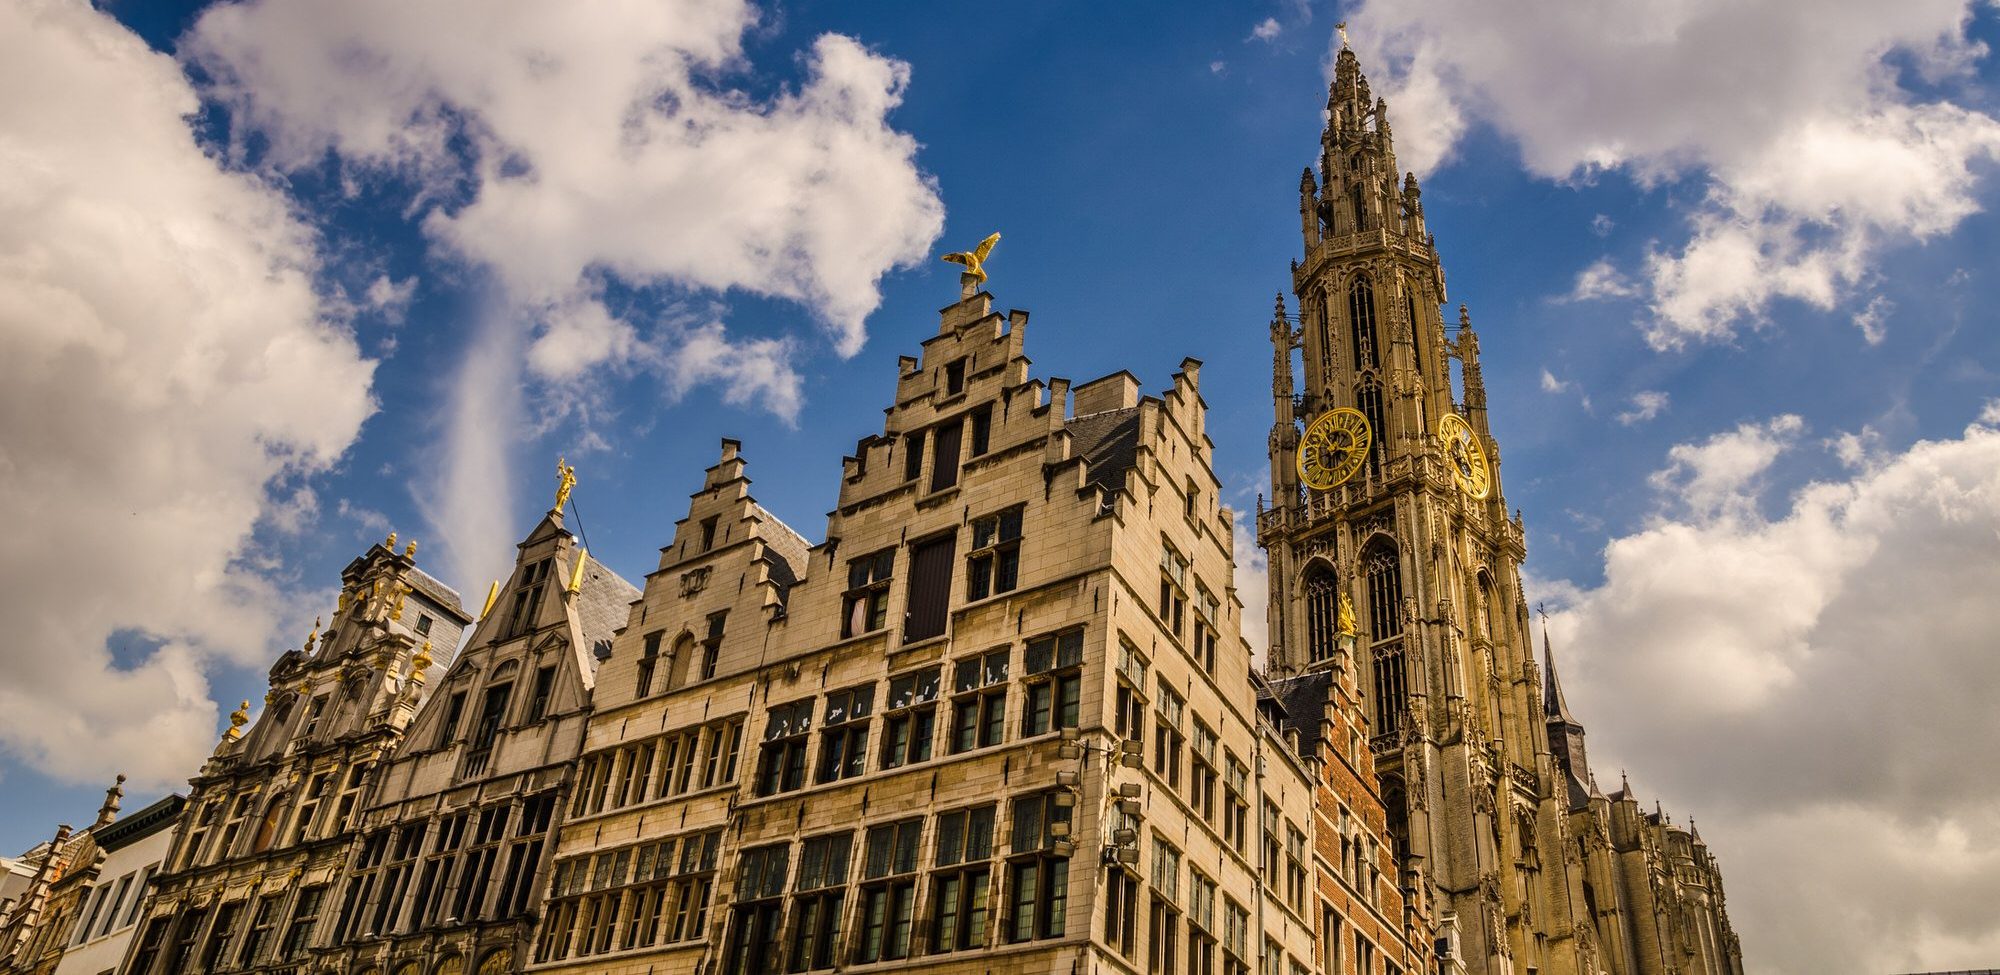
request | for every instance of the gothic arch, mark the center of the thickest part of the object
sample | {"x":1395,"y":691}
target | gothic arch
{"x":451,"y":965}
{"x":1381,"y":569}
{"x":499,"y":961}
{"x":1362,"y":322}
{"x":1484,"y":596}
{"x":1396,"y":810}
{"x":1319,"y":589}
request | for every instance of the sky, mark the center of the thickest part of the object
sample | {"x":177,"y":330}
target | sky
{"x":278,"y":277}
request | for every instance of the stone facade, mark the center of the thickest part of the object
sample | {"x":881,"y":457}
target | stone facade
{"x":1527,"y":873}
{"x":80,"y":893}
{"x":272,"y":818}
{"x":1001,"y":719}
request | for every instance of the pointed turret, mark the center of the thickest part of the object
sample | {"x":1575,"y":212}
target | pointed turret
{"x":1565,"y":732}
{"x":108,"y":812}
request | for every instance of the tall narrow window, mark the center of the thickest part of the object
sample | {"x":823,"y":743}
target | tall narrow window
{"x":708,"y":532}
{"x":1055,"y":682}
{"x":1385,"y":621}
{"x":994,"y":566}
{"x":1369,"y":395}
{"x":843,"y":739}
{"x":954,"y":377}
{"x":711,"y":645}
{"x":1038,"y":869}
{"x":1361,"y":315}
{"x":454,"y":709}
{"x":911,"y":721}
{"x":944,"y":454}
{"x":1322,"y":612}
{"x":781,"y":765}
{"x":527,"y":599}
{"x":889,"y":891}
{"x":817,"y":908}
{"x":545,"y":685}
{"x":982,"y":431}
{"x":760,"y":885}
{"x":491,"y":713}
{"x":913,"y":455}
{"x":930,"y":588}
{"x":959,"y":887}
{"x":865,"y":608}
{"x":979,"y":701}
{"x":1358,"y":203}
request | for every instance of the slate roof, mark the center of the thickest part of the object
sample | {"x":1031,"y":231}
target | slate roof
{"x":437,"y":591}
{"x":603,"y":605}
{"x":1109,"y":443}
{"x":1303,"y":699}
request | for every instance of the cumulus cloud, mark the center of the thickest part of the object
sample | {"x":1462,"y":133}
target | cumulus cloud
{"x":1266,"y":30}
{"x":1550,"y":384}
{"x":1646,"y":405}
{"x":1816,"y":680}
{"x":169,"y":379}
{"x":1601,"y":281}
{"x":555,"y":152}
{"x":1253,"y":586}
{"x":1791,"y":117}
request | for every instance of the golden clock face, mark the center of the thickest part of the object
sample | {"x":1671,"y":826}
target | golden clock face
{"x":1333,"y":448}
{"x":1465,"y":456}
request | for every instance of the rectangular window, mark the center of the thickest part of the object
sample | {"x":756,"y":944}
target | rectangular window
{"x":1167,"y":737}
{"x":817,"y":908}
{"x":1121,"y":910}
{"x":648,"y":661}
{"x":865,"y":608}
{"x":711,"y":645}
{"x":759,"y":908}
{"x":527,"y":599}
{"x":1236,"y":807}
{"x":1038,"y":869}
{"x":944,"y":454}
{"x":1173,"y":590}
{"x":1203,"y":777}
{"x":781,"y":766}
{"x":982,"y":430}
{"x":708,"y":532}
{"x":889,"y":890}
{"x":261,"y":925}
{"x":960,"y":885}
{"x":843,"y":739}
{"x":453,"y":711}
{"x":215,"y":953}
{"x":911,"y":720}
{"x":954,"y":377}
{"x":994,"y":566}
{"x":1055,"y":682}
{"x":979,"y":701}
{"x":913,"y":455}
{"x":150,"y":943}
{"x":929,"y":602}
{"x":725,"y":742}
{"x":305,"y":915}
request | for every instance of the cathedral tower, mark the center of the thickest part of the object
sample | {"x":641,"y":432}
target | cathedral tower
{"x":1407,"y":523}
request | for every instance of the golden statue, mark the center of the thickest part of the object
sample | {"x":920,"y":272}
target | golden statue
{"x":1345,"y":623}
{"x":565,"y":480}
{"x":422,"y":661}
{"x":975,"y":259}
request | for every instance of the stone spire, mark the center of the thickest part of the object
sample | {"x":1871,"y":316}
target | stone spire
{"x":1553,"y":705}
{"x":112,"y":796}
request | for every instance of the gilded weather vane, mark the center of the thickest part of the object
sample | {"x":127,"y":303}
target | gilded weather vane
{"x":974,"y":260}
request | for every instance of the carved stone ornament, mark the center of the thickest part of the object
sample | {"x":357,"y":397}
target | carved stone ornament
{"x":694,"y":581}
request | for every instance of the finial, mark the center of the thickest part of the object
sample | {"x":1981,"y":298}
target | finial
{"x":391,"y":543}
{"x":1464,"y":317}
{"x":565,"y":481}
{"x":1342,"y":28}
{"x":109,"y":811}
{"x":974,"y":262}
{"x":237,"y":719}
{"x":576,"y":577}
{"x":491,"y":595}
{"x":410,"y":550}
{"x":313,"y":637}
{"x":422,"y":661}
{"x":1278,"y":312}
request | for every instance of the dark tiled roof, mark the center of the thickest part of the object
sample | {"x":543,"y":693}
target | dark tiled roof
{"x":1304,"y":699}
{"x":603,"y":604}
{"x":1109,"y":443}
{"x":438,"y":592}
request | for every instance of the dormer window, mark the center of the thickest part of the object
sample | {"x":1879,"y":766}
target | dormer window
{"x":424,"y":624}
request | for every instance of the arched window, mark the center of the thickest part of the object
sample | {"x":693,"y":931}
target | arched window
{"x":1416,"y":327}
{"x":1486,"y":617}
{"x":1369,"y":397}
{"x":1359,"y":203}
{"x":1385,"y":624}
{"x":499,"y":961}
{"x":677,"y":662}
{"x":1361,"y":314}
{"x":1395,"y":806}
{"x":1322,"y":612}
{"x":267,"y":828}
{"x":455,"y":965}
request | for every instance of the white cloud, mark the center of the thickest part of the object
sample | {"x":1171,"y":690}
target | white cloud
{"x":1646,"y":404}
{"x":1217,"y":67}
{"x":1816,"y":681}
{"x":1253,"y":586}
{"x":169,"y":376}
{"x":586,"y":148}
{"x":1873,"y":321}
{"x":1602,"y":224}
{"x":1790,"y":114}
{"x":1267,"y":30}
{"x":390,"y":298}
{"x":1550,"y":384}
{"x":1600,"y":282}
{"x":1722,"y":476}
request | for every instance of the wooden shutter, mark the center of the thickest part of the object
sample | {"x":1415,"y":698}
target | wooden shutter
{"x":944,"y":466}
{"x":930,"y":588}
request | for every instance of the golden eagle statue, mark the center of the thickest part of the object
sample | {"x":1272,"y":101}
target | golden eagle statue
{"x":975,"y":259}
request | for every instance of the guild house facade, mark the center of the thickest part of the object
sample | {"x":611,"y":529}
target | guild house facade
{"x":998,"y":717}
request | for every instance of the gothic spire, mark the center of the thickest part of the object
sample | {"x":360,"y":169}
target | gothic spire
{"x":112,"y":796}
{"x":1553,"y":705}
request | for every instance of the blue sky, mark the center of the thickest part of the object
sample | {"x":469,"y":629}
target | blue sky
{"x":1144,"y":174}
